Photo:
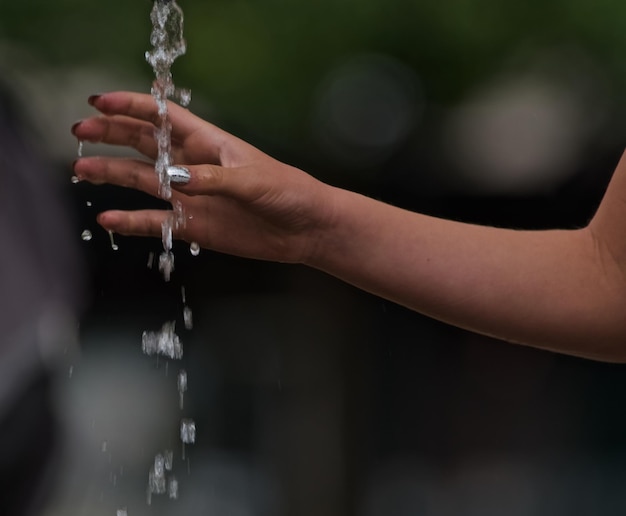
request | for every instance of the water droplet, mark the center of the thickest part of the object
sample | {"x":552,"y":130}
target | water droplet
{"x":114,"y":246}
{"x":182,"y":387}
{"x":188,"y":318}
{"x":166,"y":264}
{"x":122,"y":512}
{"x":194,"y":248}
{"x":150,"y":260}
{"x":89,"y":204}
{"x":86,"y":235}
{"x":188,"y":431}
{"x":75,"y":179}
{"x":80,"y":148}
{"x":182,"y":381}
{"x":173,"y":488}
{"x":164,"y":342}
{"x":71,"y":371}
{"x":166,"y":233}
{"x":169,"y":459}
{"x":156,"y":477}
{"x":105,"y":445}
{"x":185,"y":97}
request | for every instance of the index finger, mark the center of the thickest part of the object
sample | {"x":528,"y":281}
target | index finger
{"x":200,"y":141}
{"x":143,"y":107}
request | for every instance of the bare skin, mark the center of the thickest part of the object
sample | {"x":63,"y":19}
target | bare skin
{"x":561,"y":290}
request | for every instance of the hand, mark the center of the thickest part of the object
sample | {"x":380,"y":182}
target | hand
{"x":238,"y":201}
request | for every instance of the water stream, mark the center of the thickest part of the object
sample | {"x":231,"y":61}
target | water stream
{"x":168,"y":44}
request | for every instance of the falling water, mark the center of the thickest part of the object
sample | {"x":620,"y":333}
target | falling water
{"x":168,"y":44}
{"x":164,"y":342}
{"x":114,"y":246}
{"x":188,"y":318}
{"x":182,"y":387}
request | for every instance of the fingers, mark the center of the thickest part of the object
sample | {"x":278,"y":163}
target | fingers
{"x":146,"y":223}
{"x":129,"y":173}
{"x":143,"y":107}
{"x":131,"y":119}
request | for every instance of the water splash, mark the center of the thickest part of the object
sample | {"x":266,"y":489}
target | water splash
{"x":188,"y":431}
{"x":168,"y":44}
{"x":158,"y":481}
{"x":164,"y":342}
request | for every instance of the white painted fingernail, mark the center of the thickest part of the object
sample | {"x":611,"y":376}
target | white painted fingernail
{"x":178,"y":175}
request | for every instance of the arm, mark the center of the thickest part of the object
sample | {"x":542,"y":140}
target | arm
{"x":558,"y":290}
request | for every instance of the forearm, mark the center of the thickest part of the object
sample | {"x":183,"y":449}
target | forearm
{"x":555,"y":290}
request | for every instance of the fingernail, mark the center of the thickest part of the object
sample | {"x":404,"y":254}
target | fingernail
{"x":93,"y":98}
{"x":75,"y":126}
{"x":178,"y":175}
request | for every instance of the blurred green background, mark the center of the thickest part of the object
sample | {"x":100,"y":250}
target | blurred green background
{"x":313,"y":398}
{"x":270,"y":70}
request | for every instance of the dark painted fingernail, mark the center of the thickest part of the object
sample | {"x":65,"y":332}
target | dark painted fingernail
{"x":178,"y":175}
{"x":75,"y":126}
{"x":93,"y":98}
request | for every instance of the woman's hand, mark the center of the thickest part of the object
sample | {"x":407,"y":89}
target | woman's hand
{"x":563,"y":290}
{"x":238,"y":200}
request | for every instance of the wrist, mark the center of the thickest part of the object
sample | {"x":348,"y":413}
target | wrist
{"x":323,"y":236}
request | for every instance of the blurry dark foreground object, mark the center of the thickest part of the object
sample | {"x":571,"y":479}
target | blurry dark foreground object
{"x":38,"y":277}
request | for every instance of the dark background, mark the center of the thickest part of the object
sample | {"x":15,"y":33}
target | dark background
{"x":311,"y":397}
